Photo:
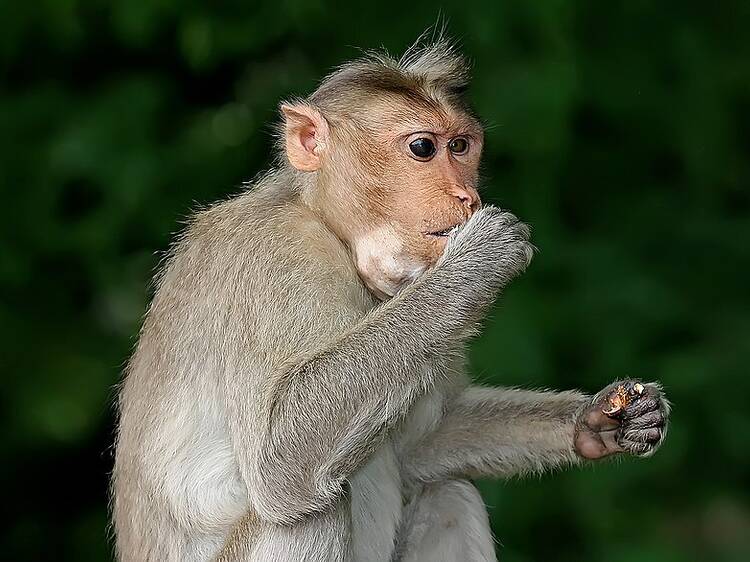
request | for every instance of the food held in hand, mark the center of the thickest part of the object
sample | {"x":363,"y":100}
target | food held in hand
{"x":621,"y":397}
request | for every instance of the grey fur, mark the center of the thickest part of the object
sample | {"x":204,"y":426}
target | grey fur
{"x":274,"y":410}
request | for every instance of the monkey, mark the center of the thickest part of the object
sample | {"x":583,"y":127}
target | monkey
{"x":300,"y":390}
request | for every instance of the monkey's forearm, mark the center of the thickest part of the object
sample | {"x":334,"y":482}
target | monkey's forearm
{"x":500,"y":432}
{"x":325,"y":415}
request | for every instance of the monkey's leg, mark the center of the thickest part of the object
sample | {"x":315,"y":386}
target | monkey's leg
{"x":447,"y":522}
{"x":326,"y":537}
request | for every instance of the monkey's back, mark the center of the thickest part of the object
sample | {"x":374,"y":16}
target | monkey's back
{"x":251,"y":283}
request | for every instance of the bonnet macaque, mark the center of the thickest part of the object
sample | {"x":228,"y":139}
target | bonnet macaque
{"x":299,"y":391}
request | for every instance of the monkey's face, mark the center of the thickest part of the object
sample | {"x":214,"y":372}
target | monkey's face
{"x":392,"y":180}
{"x":421,"y":174}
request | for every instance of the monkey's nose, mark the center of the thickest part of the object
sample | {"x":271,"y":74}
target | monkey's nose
{"x":468,"y":197}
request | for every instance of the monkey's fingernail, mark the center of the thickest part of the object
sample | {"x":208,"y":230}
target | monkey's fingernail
{"x":639,"y":388}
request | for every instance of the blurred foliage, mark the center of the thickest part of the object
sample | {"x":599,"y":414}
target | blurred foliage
{"x":619,"y":130}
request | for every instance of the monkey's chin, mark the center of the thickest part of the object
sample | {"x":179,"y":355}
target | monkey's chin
{"x":385,"y":285}
{"x":383,"y":263}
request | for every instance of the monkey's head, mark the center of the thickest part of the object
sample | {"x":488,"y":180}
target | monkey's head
{"x":389,"y":153}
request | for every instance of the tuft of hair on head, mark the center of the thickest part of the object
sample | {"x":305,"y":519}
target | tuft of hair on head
{"x":438,"y":63}
{"x":430,"y":70}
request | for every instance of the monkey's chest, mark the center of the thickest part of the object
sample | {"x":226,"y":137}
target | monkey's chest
{"x":379,"y":489}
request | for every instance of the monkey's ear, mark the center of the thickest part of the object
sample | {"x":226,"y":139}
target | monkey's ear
{"x":306,"y":135}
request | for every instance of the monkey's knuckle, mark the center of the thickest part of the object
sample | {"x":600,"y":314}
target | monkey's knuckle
{"x":517,"y":233}
{"x":529,"y":251}
{"x":636,"y":445}
{"x":655,"y":391}
{"x":523,"y":230}
{"x":520,"y":253}
{"x":507,"y":223}
{"x":644,"y":450}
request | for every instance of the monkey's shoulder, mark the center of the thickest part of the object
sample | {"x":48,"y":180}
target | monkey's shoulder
{"x":265,"y":243}
{"x":272,"y":271}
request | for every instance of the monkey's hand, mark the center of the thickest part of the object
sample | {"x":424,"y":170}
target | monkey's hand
{"x":625,"y":417}
{"x":487,"y":252}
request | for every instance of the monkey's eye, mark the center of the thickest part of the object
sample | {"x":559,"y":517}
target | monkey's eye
{"x":459,"y":145}
{"x":423,"y":148}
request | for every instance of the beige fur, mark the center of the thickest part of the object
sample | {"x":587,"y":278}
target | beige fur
{"x":275,"y":410}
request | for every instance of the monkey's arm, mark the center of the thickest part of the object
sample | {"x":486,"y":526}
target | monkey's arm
{"x":323,"y":415}
{"x":505,"y":432}
{"x":500,"y":432}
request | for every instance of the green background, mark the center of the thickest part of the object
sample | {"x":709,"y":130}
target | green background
{"x":619,"y":130}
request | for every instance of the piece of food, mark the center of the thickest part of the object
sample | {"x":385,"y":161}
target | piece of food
{"x":621,"y":397}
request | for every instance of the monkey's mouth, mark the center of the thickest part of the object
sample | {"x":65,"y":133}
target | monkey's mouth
{"x":443,"y":233}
